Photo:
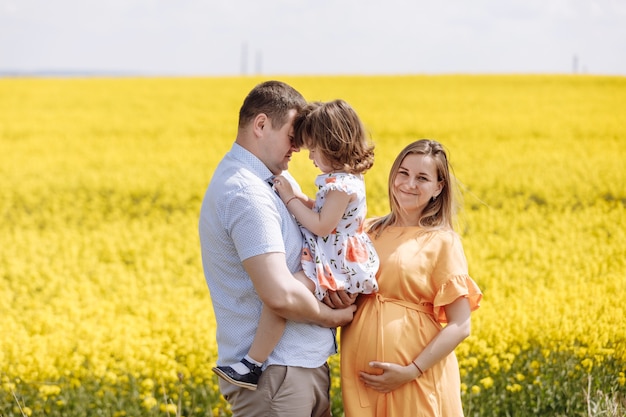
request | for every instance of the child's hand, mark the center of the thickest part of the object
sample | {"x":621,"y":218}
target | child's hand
{"x":283,"y":188}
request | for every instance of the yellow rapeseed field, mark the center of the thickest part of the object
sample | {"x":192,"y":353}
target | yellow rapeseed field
{"x":103,"y":305}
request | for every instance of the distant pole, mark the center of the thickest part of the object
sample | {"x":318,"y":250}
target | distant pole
{"x":258,"y":62}
{"x":575,"y":64}
{"x":244,"y":58}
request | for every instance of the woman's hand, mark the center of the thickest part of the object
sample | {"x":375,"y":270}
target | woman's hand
{"x":393,"y":376}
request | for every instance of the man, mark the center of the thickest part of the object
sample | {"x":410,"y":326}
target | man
{"x":250,"y":248}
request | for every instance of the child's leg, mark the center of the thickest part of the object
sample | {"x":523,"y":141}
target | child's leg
{"x":268,"y":334}
{"x":271,"y":327}
{"x":269,"y":331}
{"x":246,"y":373}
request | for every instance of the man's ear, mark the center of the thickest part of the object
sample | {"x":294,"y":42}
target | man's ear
{"x":259,"y":123}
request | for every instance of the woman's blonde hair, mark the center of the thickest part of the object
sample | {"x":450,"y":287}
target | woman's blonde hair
{"x":440,"y":211}
{"x":335,"y":130}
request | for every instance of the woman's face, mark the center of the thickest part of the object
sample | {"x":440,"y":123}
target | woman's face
{"x":416,"y":183}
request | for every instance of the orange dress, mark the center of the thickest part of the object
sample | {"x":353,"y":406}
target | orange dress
{"x":419,"y":274}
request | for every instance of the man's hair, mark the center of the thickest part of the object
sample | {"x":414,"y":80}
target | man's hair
{"x":275,"y":99}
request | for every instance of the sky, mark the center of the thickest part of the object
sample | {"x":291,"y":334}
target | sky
{"x":310,"y":37}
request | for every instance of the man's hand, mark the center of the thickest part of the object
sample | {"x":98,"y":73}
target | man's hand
{"x":343,"y":316}
{"x":339,"y":299}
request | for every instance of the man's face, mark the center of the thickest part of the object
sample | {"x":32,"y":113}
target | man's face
{"x":278,"y":145}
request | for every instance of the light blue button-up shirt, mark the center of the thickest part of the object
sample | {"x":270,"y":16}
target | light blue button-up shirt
{"x":241,"y":217}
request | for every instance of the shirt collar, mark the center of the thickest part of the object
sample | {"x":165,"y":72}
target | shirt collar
{"x":253,"y":163}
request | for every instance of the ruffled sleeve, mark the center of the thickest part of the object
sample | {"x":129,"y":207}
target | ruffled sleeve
{"x":457,"y":286}
{"x":451,"y":278}
{"x":346,"y":183}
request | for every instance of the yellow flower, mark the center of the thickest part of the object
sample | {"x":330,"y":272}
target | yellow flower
{"x":8,"y":387}
{"x":514,"y":388}
{"x":110,"y":378}
{"x":487,"y":382}
{"x":169,"y":408}
{"x":147,"y":384}
{"x":587,"y":363}
{"x":46,"y":391}
{"x":472,"y":362}
{"x":475,"y":389}
{"x":494,"y":364}
{"x":149,"y":402}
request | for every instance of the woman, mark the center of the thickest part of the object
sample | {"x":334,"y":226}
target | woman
{"x":397,"y":359}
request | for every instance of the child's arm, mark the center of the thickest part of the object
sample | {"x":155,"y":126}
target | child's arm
{"x":324,"y":222}
{"x":284,"y":187}
{"x":304,"y":199}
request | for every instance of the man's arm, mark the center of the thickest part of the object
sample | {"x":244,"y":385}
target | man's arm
{"x":287,"y":296}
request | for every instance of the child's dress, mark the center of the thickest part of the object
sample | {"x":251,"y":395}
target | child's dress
{"x":345,"y":259}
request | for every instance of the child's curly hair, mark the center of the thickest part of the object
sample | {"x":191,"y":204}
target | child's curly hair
{"x":334,"y":129}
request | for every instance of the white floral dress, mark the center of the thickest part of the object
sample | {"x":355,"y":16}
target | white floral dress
{"x":345,"y":259}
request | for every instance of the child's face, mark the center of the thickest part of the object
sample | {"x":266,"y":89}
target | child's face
{"x":319,"y":161}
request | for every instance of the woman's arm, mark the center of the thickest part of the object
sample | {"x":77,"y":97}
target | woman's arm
{"x":394,"y":375}
{"x":458,"y":329}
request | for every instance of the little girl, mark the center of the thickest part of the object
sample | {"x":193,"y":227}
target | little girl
{"x":337,"y":253}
